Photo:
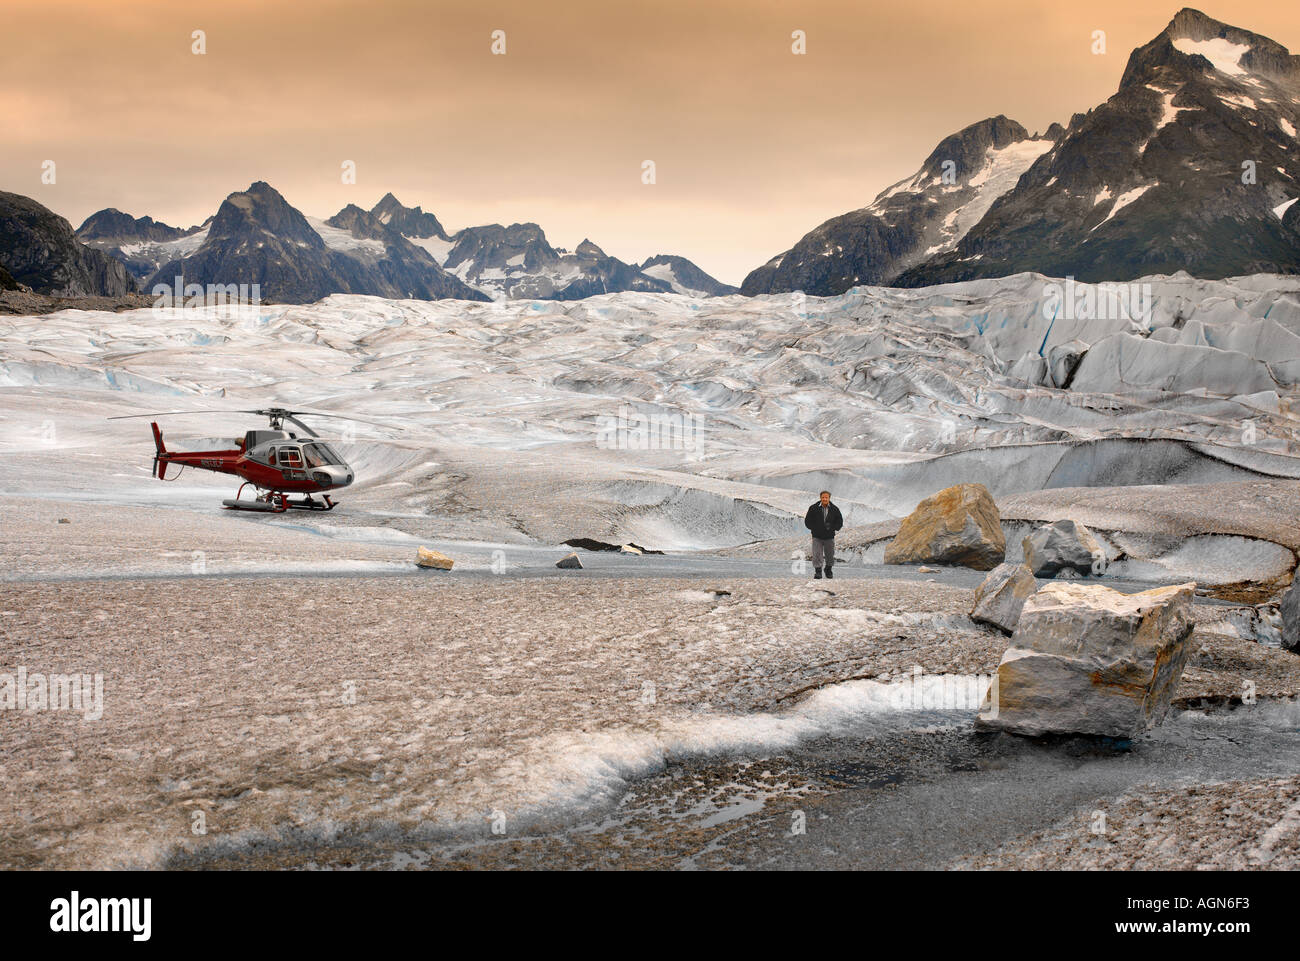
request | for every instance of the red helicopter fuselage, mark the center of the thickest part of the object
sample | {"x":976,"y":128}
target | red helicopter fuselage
{"x":275,"y":461}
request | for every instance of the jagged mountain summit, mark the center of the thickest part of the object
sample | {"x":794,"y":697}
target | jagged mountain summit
{"x":1192,"y":165}
{"x":141,"y":243}
{"x":912,"y":220}
{"x":38,"y":249}
{"x":256,"y":237}
{"x":390,"y":251}
{"x":408,"y":221}
{"x":684,"y":277}
{"x":517,"y":262}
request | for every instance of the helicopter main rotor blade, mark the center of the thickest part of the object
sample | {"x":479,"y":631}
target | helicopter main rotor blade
{"x":359,"y":420}
{"x":294,"y":420}
{"x":175,"y":413}
{"x":274,"y":413}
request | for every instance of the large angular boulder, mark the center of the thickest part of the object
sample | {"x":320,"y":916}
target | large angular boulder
{"x":1291,"y":618}
{"x":1002,"y":595}
{"x":958,"y":525}
{"x":1086,"y":659}
{"x":1062,"y":545}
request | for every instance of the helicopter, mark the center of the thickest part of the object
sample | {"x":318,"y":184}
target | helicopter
{"x":276,"y":462}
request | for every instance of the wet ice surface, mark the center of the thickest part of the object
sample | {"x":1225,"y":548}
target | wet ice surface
{"x":526,"y":696}
{"x":300,"y":713}
{"x":1207,"y":790}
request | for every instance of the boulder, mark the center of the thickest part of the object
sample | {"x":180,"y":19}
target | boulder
{"x":1002,"y":595}
{"x":1291,"y":619}
{"x":432,"y":559}
{"x":1060,"y":546}
{"x":1086,"y":659}
{"x":629,"y":549}
{"x":569,"y":562}
{"x":958,"y":525}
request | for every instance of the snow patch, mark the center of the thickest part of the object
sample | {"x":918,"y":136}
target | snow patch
{"x":1123,"y":200}
{"x":437,"y":248}
{"x":338,"y":239}
{"x":1223,"y":54}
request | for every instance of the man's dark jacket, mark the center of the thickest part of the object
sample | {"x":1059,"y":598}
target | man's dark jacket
{"x":813,"y":521}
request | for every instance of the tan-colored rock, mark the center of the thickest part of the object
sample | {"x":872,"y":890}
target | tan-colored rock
{"x":1086,"y":659}
{"x":1001,"y":596}
{"x":569,"y":562}
{"x":432,"y":559}
{"x":628,"y":549}
{"x":959,"y":525}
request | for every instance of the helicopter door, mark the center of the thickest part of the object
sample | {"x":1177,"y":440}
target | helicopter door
{"x":290,"y":457}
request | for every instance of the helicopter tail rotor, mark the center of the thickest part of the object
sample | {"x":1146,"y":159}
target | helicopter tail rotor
{"x":159,"y":465}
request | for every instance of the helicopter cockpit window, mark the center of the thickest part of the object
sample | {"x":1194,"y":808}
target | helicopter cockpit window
{"x":289,"y":457}
{"x":320,"y":455}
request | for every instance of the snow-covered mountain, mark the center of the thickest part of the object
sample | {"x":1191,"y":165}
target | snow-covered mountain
{"x":142,"y":243}
{"x":256,"y":237}
{"x":518,"y":263}
{"x":390,"y":251}
{"x":914,"y":219}
{"x":1192,"y":165}
{"x":684,"y":277}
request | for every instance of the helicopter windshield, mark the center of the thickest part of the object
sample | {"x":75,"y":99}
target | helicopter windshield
{"x":320,"y":455}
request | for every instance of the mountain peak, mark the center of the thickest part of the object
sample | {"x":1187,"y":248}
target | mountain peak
{"x":1146,"y":182}
{"x":1195,"y":44}
{"x":408,"y":221}
{"x":261,"y":209}
{"x":968,"y":148}
{"x":111,"y":223}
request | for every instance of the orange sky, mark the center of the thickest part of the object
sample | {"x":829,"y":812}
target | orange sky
{"x":754,"y":146}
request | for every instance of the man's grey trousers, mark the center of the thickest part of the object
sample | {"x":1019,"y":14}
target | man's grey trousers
{"x":823,"y":552}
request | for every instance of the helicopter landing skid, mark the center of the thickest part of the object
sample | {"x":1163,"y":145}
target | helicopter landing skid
{"x":311,"y":504}
{"x":269,"y":503}
{"x":277,"y":503}
{"x":264,"y":507}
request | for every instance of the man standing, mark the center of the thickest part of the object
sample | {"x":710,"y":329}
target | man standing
{"x":823,"y":519}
